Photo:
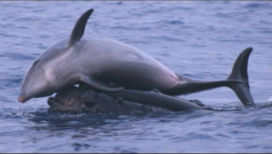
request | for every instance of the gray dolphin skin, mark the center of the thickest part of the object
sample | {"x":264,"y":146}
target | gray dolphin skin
{"x":113,"y":67}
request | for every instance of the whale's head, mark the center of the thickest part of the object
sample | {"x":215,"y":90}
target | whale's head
{"x":50,"y":72}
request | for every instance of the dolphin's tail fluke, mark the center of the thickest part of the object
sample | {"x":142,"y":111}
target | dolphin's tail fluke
{"x":237,"y":81}
{"x":239,"y":74}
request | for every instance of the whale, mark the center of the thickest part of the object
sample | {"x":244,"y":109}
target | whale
{"x":83,"y":99}
{"x":111,"y":66}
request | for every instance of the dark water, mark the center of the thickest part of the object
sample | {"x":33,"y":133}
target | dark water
{"x":197,"y":39}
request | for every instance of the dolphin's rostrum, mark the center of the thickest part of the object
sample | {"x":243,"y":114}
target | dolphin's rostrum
{"x":111,"y":66}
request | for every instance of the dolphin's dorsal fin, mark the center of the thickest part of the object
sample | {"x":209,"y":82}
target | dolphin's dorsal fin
{"x":79,"y":27}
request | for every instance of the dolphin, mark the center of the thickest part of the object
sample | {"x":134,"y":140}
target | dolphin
{"x":111,"y":66}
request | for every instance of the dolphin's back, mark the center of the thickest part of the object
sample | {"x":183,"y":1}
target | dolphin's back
{"x":112,"y":61}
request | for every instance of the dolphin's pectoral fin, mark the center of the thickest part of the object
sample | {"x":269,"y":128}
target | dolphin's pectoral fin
{"x":96,"y":85}
{"x":79,"y":27}
{"x":155,"y":99}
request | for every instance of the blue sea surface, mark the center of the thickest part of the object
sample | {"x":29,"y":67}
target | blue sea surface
{"x":198,"y":39}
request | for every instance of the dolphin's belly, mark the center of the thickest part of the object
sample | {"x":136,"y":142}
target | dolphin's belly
{"x":112,"y":61}
{"x":138,"y":76}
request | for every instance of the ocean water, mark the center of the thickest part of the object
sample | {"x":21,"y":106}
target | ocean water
{"x":198,"y":39}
